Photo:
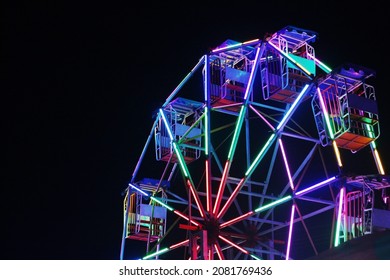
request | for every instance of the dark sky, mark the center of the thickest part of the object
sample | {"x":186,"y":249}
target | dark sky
{"x":80,"y":83}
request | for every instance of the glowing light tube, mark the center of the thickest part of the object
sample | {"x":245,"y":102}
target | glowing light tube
{"x":259,"y":156}
{"x":236,"y":220}
{"x":290,"y":58}
{"x":326,"y":115}
{"x":272,"y":204}
{"x":138,"y":190}
{"x":255,"y":257}
{"x":292,"y":108}
{"x":337,"y":153}
{"x":378,"y":162}
{"x":235,"y":46}
{"x":161,"y":203}
{"x":208,"y":186}
{"x":339,"y":213}
{"x":316,"y":186}
{"x":221,"y":188}
{"x":186,"y":218}
{"x":286,"y":164}
{"x":233,"y":244}
{"x":196,"y":197}
{"x":322,"y":65}
{"x":166,"y":124}
{"x":219,"y":251}
{"x":177,"y":245}
{"x":157,"y":253}
{"x":290,"y":232}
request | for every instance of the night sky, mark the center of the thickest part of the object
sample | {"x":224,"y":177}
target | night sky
{"x":80,"y":84}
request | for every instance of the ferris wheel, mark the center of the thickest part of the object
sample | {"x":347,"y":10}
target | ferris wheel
{"x":246,"y":158}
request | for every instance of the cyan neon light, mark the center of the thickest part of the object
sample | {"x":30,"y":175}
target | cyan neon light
{"x":272,"y":204}
{"x":138,"y":190}
{"x":161,"y":203}
{"x":323,"y":66}
{"x":292,"y":108}
{"x":290,"y":232}
{"x":255,"y":257}
{"x":316,"y":186}
{"x":162,"y":251}
{"x":339,"y":213}
{"x":257,"y":159}
{"x":181,"y":160}
{"x":290,"y":58}
{"x":166,"y":124}
{"x":236,"y":132}
{"x":286,"y":164}
{"x":326,"y":115}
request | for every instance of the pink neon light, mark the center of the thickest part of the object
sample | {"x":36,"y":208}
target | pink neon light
{"x":208,"y":188}
{"x":236,"y":220}
{"x":221,"y":188}
{"x":262,"y":117}
{"x":219,"y":251}
{"x":195,"y":195}
{"x":231,"y":198}
{"x":177,"y":245}
{"x":290,"y":232}
{"x":186,"y":218}
{"x":233,"y":244}
{"x":286,"y":164}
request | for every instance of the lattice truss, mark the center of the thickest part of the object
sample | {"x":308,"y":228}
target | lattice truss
{"x":247,"y":157}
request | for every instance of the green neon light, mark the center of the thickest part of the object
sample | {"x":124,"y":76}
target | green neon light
{"x":155,"y":254}
{"x":162,"y":203}
{"x":257,"y":159}
{"x":181,"y":160}
{"x":338,"y":224}
{"x":255,"y":257}
{"x":236,"y":132}
{"x":276,"y":202}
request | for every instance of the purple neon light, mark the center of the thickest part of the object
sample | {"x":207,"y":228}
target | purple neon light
{"x":290,"y":232}
{"x":316,"y":186}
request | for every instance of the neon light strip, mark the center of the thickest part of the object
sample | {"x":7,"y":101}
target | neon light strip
{"x":235,"y":45}
{"x":316,"y":186}
{"x":274,"y":203}
{"x":221,"y":188}
{"x":262,"y":117}
{"x":236,"y":220}
{"x":326,"y":115}
{"x":337,"y":152}
{"x":236,"y":132}
{"x":292,"y":108}
{"x":321,"y":65}
{"x":177,"y":245}
{"x":379,"y":162}
{"x":186,"y":218}
{"x":290,"y":58}
{"x":161,"y":203}
{"x":255,"y":257}
{"x":339,"y":213}
{"x":219,"y":251}
{"x":162,"y":251}
{"x":233,"y":244}
{"x":286,"y":164}
{"x":207,"y":131}
{"x":196,"y":197}
{"x":258,"y":157}
{"x":206,"y":80}
{"x":181,"y":160}
{"x":139,"y":190}
{"x":208,"y":187}
{"x":290,"y":232}
{"x":249,"y":85}
{"x":231,"y":198}
{"x":166,"y":124}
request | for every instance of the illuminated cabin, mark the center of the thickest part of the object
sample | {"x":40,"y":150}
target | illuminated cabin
{"x":287,"y":53}
{"x":229,"y":75}
{"x":349,"y":113}
{"x":182,"y":126}
{"x":365,"y":207}
{"x":146,"y":219}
